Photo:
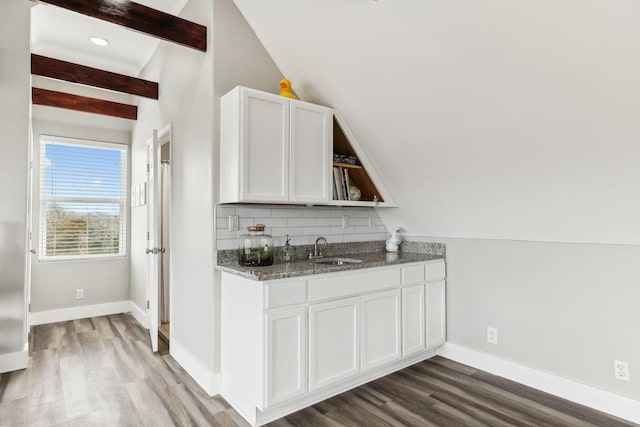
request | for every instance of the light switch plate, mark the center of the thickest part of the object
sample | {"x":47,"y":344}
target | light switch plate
{"x":233,"y":222}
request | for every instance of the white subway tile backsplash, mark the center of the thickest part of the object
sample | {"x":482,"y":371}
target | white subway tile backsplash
{"x":303,"y":224}
{"x":246,"y":222}
{"x":291,"y":231}
{"x":316,"y":212}
{"x":377,"y":236}
{"x":225,"y":211}
{"x":272,"y":222}
{"x":225,"y":234}
{"x":226,"y":244}
{"x":253,"y":212}
{"x":355,"y":221}
{"x":354,"y":238}
{"x":340,"y":230}
{"x":335,"y":222}
{"x":316,"y":231}
{"x":222,"y":222}
{"x":334,"y":238}
{"x":287,"y":212}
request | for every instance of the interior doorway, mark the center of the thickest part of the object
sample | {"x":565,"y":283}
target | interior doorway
{"x":164,"y":292}
{"x":159,"y":226}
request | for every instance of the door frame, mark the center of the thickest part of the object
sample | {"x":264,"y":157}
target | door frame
{"x":161,"y":137}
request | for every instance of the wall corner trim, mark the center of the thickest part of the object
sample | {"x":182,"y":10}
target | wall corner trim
{"x":80,"y":312}
{"x":209,"y":381}
{"x":16,"y":360}
{"x":587,"y":395}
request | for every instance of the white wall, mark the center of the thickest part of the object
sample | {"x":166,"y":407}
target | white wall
{"x":190,"y":87}
{"x":240,"y":59}
{"x":186,"y":87}
{"x":14,"y":122}
{"x":563,"y":308}
{"x":496,"y":123}
{"x":54,"y":283}
{"x":519,"y":115}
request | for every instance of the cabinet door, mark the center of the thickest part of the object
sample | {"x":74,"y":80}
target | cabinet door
{"x":286,"y":367}
{"x":311,"y":139}
{"x":333,"y":342}
{"x":436,"y":313}
{"x":380,"y":329}
{"x":413,"y":320}
{"x":265,"y":147}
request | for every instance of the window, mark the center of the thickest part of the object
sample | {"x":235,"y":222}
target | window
{"x":82,"y":199}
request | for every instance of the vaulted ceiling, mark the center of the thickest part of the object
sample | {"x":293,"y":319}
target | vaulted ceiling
{"x":487,"y":118}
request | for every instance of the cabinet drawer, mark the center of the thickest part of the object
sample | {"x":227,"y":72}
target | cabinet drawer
{"x":289,"y":292}
{"x":352,"y":284}
{"x":435,"y":271}
{"x":413,"y":274}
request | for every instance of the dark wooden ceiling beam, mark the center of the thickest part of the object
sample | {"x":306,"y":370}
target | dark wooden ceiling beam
{"x":85,"y":104}
{"x":140,"y":18}
{"x":75,"y":73}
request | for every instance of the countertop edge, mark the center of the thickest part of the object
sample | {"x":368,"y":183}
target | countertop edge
{"x":307,"y":268}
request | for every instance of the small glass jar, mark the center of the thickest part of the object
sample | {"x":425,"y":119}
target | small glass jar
{"x":255,"y":248}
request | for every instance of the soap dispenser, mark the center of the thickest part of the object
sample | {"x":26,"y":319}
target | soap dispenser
{"x":286,"y":252}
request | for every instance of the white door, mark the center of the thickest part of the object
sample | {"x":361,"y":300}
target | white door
{"x":334,"y":350}
{"x":311,"y":145}
{"x":265,"y":147}
{"x":286,"y":355}
{"x":436,"y":313}
{"x":380,"y":329}
{"x":153,"y":234}
{"x":413,"y":320}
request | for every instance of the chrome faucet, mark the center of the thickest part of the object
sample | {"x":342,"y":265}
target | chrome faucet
{"x":316,"y":253}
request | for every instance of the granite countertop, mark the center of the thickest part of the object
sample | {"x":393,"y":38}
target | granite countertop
{"x":281,"y":270}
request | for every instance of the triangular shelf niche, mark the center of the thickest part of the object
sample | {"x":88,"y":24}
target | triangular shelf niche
{"x":363,"y":174}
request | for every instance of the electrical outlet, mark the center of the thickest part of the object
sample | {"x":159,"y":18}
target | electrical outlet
{"x":345,"y":221}
{"x":492,"y":335}
{"x":371,"y":222}
{"x":79,"y":293}
{"x":621,"y":370}
{"x":233,"y":222}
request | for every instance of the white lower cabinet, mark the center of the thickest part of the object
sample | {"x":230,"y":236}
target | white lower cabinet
{"x":436,"y":313}
{"x":286,"y":367}
{"x":413,"y":320}
{"x":333,"y":341}
{"x":287,"y":343}
{"x":380,"y":331}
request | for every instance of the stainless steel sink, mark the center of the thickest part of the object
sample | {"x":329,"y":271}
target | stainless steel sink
{"x":337,"y":261}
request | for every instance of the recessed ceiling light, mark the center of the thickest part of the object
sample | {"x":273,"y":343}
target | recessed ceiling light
{"x":99,"y":41}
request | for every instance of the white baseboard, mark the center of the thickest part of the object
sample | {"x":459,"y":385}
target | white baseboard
{"x":81,"y":312}
{"x":15,"y":361}
{"x":140,"y":315}
{"x":209,"y":381}
{"x":593,"y":397}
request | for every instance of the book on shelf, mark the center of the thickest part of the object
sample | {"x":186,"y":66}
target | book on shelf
{"x":340,"y":183}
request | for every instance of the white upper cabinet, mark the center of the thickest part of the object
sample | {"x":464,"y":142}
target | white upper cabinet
{"x":311,"y":136}
{"x":273,"y":149}
{"x":279,"y":150}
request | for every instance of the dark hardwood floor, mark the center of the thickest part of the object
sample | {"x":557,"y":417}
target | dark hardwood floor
{"x":101,"y":372}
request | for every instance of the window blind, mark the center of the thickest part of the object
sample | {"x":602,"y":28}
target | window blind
{"x":83,"y":196}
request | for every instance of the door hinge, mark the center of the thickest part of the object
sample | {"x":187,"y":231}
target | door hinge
{"x":29,"y":235}
{"x":148,"y":167}
{"x":148,"y":306}
{"x":29,"y":308}
{"x":147,"y":235}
